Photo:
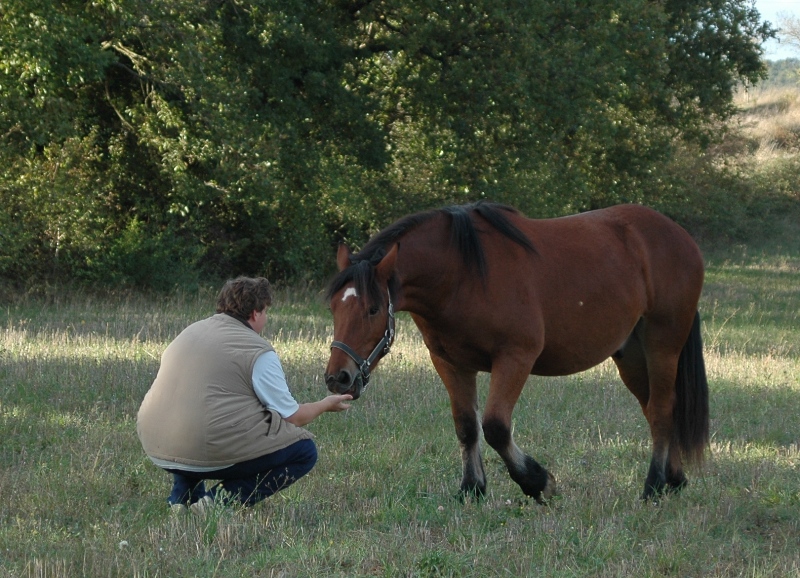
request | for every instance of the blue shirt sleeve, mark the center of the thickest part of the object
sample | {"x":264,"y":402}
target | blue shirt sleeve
{"x":269,"y":383}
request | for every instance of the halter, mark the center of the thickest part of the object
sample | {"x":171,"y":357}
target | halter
{"x":382,"y":348}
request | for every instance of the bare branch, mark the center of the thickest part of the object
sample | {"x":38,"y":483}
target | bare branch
{"x":789,"y":29}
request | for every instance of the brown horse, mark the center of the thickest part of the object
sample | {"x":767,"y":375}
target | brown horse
{"x":493,"y":291}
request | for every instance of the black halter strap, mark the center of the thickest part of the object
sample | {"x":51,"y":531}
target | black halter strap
{"x":381,"y":349}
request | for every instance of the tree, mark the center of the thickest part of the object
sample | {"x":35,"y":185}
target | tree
{"x":789,"y":29}
{"x":563,"y":105}
{"x":144,"y":139}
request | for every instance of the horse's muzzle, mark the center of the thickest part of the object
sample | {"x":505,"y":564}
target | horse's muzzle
{"x":345,"y":382}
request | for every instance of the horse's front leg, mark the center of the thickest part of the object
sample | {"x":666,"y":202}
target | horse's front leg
{"x":508,"y":379}
{"x":462,"y":389}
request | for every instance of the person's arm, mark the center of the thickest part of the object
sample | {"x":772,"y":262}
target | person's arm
{"x":308,"y":412}
{"x":269,"y":383}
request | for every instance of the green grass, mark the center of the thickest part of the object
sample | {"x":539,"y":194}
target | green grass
{"x":79,"y":498}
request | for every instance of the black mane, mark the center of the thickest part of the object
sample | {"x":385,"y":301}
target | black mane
{"x":463,"y":236}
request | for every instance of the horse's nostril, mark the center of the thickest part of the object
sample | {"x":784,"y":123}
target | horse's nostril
{"x":338,"y":382}
{"x":341,"y":377}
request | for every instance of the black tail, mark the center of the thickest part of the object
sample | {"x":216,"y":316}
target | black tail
{"x":691,"y":404}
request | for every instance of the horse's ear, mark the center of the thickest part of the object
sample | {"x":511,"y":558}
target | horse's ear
{"x":385,"y":268}
{"x":343,"y":257}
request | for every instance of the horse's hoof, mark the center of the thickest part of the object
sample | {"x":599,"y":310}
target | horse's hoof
{"x":674,"y":486}
{"x":676,"y":483}
{"x":473,"y":493}
{"x":653,"y":492}
{"x":549,"y":490}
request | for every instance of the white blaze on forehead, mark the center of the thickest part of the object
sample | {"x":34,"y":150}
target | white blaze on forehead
{"x":350,"y":292}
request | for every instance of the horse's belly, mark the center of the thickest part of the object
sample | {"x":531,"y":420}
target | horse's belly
{"x":551,"y":361}
{"x":583,"y":351}
{"x":550,"y":364}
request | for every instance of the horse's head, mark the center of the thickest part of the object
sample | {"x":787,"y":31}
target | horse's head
{"x":363,"y":321}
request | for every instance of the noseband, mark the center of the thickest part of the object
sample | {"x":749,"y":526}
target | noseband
{"x":382,"y":348}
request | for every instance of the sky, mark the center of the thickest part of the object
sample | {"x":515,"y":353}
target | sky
{"x":769,"y":10}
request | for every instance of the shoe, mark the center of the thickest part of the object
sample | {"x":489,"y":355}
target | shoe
{"x":202,"y":506}
{"x":178,"y":509}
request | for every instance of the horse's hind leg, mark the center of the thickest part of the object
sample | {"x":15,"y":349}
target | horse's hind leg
{"x":508,"y":379}
{"x":650,"y":376}
{"x":666,"y":470}
{"x":462,"y":389}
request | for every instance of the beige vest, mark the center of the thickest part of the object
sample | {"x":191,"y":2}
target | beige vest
{"x":201,"y":409}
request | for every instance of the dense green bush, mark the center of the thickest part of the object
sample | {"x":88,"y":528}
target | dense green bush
{"x":157,"y":143}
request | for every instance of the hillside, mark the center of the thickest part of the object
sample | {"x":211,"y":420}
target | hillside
{"x":770,"y":122}
{"x":745,"y":188}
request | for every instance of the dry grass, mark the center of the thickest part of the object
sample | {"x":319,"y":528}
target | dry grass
{"x":770,"y":122}
{"x":78,"y":497}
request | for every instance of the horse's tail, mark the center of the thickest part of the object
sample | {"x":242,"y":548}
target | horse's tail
{"x":691,"y":404}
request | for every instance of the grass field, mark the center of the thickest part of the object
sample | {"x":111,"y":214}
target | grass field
{"x":79,"y":498}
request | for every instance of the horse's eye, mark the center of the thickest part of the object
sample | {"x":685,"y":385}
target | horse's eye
{"x":373,"y":310}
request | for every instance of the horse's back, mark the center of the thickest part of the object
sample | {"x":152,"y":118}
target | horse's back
{"x":671,"y":263}
{"x":595,"y":275}
{"x":631,"y":241}
{"x":566,"y":304}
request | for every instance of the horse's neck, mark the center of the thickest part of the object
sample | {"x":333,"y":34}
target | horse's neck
{"x":425,"y":276}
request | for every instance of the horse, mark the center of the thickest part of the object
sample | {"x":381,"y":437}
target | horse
{"x":493,"y":291}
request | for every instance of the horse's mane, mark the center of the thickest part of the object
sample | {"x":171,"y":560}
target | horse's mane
{"x":463,"y":236}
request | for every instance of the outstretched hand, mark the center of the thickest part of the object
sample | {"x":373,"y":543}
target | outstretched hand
{"x":308,"y":412}
{"x":338,"y":402}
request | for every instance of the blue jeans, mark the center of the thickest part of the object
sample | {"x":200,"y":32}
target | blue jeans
{"x":248,"y":482}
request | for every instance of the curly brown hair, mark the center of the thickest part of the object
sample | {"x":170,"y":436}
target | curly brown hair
{"x":241,"y":296}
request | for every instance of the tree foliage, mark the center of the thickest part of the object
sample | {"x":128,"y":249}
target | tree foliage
{"x":782,"y":74}
{"x":151,"y":143}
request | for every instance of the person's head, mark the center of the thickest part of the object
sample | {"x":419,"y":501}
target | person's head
{"x":242,"y":296}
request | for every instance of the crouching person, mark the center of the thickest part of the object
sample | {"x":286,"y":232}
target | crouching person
{"x":220,"y":408}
